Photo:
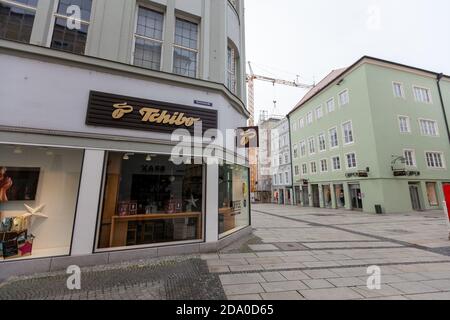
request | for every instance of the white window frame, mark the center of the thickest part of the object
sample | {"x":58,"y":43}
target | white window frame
{"x":340,"y":100}
{"x":346,"y":161}
{"x":424,"y":88}
{"x":343,"y":133}
{"x":328,"y":106}
{"x":301,"y":123}
{"x":321,"y":167}
{"x":324,"y":142}
{"x":313,"y":139}
{"x":309,"y":118}
{"x":319,"y":112}
{"x":197,"y":50}
{"x":408,"y":123}
{"x":303,"y":143}
{"x":414,"y":160}
{"x":337,"y":137}
{"x":304,"y":166}
{"x":296,"y":171}
{"x":232,"y":76}
{"x":444,"y":166}
{"x":311,"y":168}
{"x":332,"y":163}
{"x":421,"y":128}
{"x":402,"y":89}
{"x":287,"y":177}
{"x":295,"y":151}
{"x":136,"y":17}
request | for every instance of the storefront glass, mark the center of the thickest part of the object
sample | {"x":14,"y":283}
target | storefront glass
{"x":38,"y":199}
{"x":234,"y":204}
{"x":340,"y":197}
{"x":432,"y":195}
{"x":147,"y":199}
{"x":327,"y":196}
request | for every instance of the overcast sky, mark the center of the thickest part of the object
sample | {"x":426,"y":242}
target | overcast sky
{"x":285,"y":38}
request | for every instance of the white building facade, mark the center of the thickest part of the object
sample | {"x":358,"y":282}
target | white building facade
{"x":87,"y":139}
{"x":281,"y":164}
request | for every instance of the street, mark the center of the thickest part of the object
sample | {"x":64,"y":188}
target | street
{"x":294,"y":254}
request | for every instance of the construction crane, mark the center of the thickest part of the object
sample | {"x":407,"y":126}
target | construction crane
{"x":251,"y":89}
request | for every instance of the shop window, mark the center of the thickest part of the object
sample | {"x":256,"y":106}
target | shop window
{"x":234,"y":206}
{"x":147,"y":200}
{"x":432,"y":195}
{"x":70,"y":32}
{"x":340,"y":197}
{"x":17,"y":19}
{"x":38,"y":199}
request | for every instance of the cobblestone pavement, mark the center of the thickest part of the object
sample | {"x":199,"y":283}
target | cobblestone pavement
{"x":309,"y":253}
{"x":182,"y":278}
{"x":294,"y":254}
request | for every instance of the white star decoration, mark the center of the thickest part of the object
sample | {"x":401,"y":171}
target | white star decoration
{"x":34,"y":212}
{"x":192,"y":201}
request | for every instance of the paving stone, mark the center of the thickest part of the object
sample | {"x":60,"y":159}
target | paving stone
{"x":280,"y":266}
{"x":253,"y":267}
{"x":286,"y":295}
{"x":413,"y":287}
{"x":443,"y":285}
{"x":218,"y":269}
{"x":295,"y":275}
{"x":245,"y":297}
{"x":263,"y":247}
{"x":241,"y":278}
{"x":283,"y":286}
{"x":238,"y":289}
{"x":317,"y":283}
{"x":430,"y":296}
{"x":347,"y":282}
{"x":385,"y":291}
{"x":272,"y":276}
{"x":331,"y":294}
{"x":321,"y":274}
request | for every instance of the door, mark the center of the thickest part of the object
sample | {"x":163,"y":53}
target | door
{"x":305,"y":196}
{"x":415,"y":199}
{"x":297,"y":195}
{"x":356,"y":196}
{"x":315,"y":195}
{"x":281,"y":196}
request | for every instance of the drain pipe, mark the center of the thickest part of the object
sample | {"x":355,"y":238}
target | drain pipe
{"x":439,"y":78}
{"x":294,"y":200}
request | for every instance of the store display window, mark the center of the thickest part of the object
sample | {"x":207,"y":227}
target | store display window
{"x":234,"y":198}
{"x":38,"y":199}
{"x":149,"y":200}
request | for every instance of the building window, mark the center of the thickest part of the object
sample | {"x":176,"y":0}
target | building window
{"x":302,"y":148}
{"x":323,"y":165}
{"x":330,"y":105}
{"x":67,"y":35}
{"x":296,"y":170}
{"x":281,"y":178}
{"x":295,"y":148}
{"x":313,"y":168}
{"x":344,"y":98}
{"x":404,"y":124}
{"x":148,"y":199}
{"x":434,"y":160}
{"x":286,"y":174}
{"x":275,"y":179}
{"x":429,"y":128}
{"x":304,"y":169}
{"x":398,"y":90}
{"x":334,"y":142}
{"x":351,"y":161}
{"x":347,"y":130}
{"x":294,"y":126}
{"x":231,"y":69}
{"x":336,"y":162}
{"x":185,"y":53}
{"x":309,"y":118}
{"x":286,"y":158}
{"x":432,"y":194}
{"x":312,"y":145}
{"x":280,"y":159}
{"x":148,"y":39}
{"x":422,"y":95}
{"x":410,"y":158}
{"x":234,"y":198}
{"x":302,"y":123}
{"x":322,"y":142}
{"x":46,"y":179}
{"x":17,"y":19}
{"x":319,"y":113}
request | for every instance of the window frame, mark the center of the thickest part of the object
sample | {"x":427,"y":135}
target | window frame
{"x":319,"y":112}
{"x":304,"y":166}
{"x":303,"y":143}
{"x":423,"y":88}
{"x":337,"y":137}
{"x":311,"y":167}
{"x":408,"y":123}
{"x":436,"y":128}
{"x":441,"y":153}
{"x":24,"y":7}
{"x":321,"y":165}
{"x":352,"y":131}
{"x":348,"y":97}
{"x":196,"y":21}
{"x":332,"y":163}
{"x":402,"y":89}
{"x":414,"y":158}
{"x":313,"y":139}
{"x":334,"y":105}
{"x":346,"y":161}
{"x":324,"y":142}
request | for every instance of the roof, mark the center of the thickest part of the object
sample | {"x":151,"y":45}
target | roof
{"x":335,"y":74}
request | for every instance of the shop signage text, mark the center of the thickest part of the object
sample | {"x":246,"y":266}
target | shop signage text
{"x":116,"y":111}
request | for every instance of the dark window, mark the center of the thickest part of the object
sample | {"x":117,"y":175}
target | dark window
{"x":16,"y":21}
{"x":66,"y":36}
{"x":186,"y":48}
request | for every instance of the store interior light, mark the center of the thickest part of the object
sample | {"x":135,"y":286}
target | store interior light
{"x":148,"y":158}
{"x":18,"y":150}
{"x":49,"y":153}
{"x":126,"y":156}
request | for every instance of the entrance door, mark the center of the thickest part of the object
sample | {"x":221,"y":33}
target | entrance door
{"x":315,"y":196}
{"x":297,"y":195}
{"x":356,"y":196}
{"x":281,"y":196}
{"x":305,"y":196}
{"x":415,"y":199}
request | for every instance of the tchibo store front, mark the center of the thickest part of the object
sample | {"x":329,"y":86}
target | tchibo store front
{"x":86,"y":172}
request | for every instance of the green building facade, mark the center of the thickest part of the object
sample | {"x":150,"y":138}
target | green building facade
{"x":372,"y":137}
